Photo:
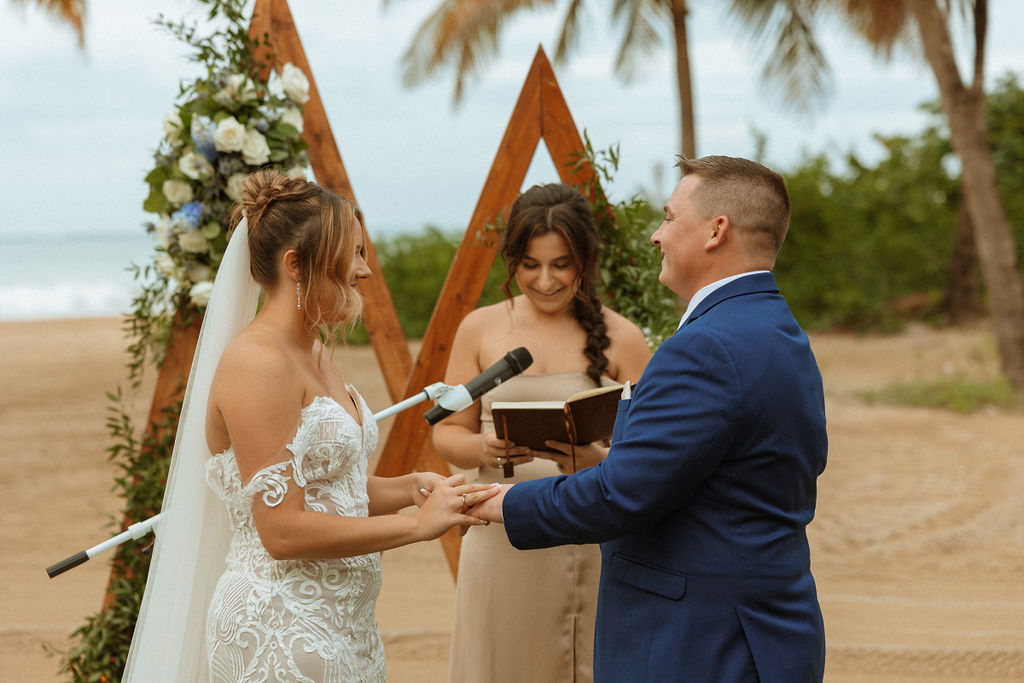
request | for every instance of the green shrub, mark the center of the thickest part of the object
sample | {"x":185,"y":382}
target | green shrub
{"x":959,"y":394}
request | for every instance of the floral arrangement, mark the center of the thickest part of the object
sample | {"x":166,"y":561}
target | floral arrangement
{"x":230,"y":126}
{"x":226,"y":123}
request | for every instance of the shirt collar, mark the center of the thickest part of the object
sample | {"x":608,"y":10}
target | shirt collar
{"x":704,"y":291}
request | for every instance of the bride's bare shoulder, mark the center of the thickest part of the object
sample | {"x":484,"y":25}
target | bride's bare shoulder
{"x":254,"y":362}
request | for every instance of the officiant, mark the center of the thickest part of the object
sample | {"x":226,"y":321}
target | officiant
{"x":530,"y":616}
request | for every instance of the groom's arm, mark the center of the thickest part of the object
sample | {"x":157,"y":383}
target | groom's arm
{"x":678,"y":427}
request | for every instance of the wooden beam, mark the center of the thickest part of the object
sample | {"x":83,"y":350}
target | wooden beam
{"x":540,"y":113}
{"x":272,"y":22}
{"x":464,"y":283}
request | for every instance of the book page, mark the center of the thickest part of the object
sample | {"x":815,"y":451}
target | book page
{"x":593,"y":392}
{"x":523,"y":405}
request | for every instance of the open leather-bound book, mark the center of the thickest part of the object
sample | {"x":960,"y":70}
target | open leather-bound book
{"x":584,"y":417}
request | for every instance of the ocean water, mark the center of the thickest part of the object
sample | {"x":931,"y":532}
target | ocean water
{"x":79,"y":276}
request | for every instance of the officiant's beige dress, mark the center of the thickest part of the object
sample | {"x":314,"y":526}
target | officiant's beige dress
{"x":524,"y":615}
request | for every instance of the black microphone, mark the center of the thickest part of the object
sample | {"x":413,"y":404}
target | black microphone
{"x":462,"y":396}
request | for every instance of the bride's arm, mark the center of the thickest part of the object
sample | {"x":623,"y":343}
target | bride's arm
{"x":289,"y":531}
{"x":259,"y":398}
{"x":388,"y":494}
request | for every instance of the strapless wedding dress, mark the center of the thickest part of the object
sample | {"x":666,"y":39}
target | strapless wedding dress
{"x":298,"y":620}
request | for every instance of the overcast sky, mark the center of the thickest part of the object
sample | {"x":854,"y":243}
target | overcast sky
{"x":79,"y":127}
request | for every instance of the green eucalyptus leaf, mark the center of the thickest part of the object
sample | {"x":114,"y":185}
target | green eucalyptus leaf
{"x":156,"y":202}
{"x":211,"y":230}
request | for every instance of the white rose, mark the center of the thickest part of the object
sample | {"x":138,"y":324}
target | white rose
{"x":163,"y":230}
{"x":255,"y":150}
{"x":178,"y":192}
{"x":245,"y":89}
{"x":199,"y":294}
{"x":172,"y":127}
{"x":195,"y":166}
{"x":165,"y":264}
{"x":293,"y":116}
{"x":229,"y":135}
{"x":234,"y":186}
{"x":224,"y":98}
{"x":239,"y":88}
{"x":194,"y":242}
{"x":294,"y":83}
{"x":198,"y":272}
{"x":179,"y":226}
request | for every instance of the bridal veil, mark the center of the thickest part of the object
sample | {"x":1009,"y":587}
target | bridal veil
{"x":193,"y":533}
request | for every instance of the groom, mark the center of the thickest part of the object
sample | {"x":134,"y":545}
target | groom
{"x":702,"y":504}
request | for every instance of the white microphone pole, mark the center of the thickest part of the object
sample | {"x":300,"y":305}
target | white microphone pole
{"x":136,"y":531}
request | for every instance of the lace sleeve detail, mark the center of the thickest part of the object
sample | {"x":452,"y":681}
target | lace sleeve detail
{"x":271,"y":483}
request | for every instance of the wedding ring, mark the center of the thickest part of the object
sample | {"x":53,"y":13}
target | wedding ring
{"x":499,"y":459}
{"x":465,"y":503}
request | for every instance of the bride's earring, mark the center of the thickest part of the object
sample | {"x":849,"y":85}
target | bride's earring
{"x":298,"y":295}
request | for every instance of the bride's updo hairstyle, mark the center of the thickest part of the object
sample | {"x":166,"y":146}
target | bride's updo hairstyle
{"x":563,"y":210}
{"x":292,"y":213}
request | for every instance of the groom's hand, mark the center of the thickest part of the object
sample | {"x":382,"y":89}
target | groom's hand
{"x":490,"y":509}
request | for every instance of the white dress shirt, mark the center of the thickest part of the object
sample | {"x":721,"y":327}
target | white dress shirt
{"x":704,"y":291}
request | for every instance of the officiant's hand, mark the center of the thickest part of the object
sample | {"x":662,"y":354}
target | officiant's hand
{"x":497,"y":452}
{"x":586,"y":455}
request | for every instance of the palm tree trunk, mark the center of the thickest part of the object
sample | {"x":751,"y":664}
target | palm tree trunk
{"x":687,"y":137}
{"x":962,"y":301}
{"x":966,"y":111}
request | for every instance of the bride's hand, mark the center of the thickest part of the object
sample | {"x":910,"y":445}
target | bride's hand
{"x":446,"y":505}
{"x":423,"y":483}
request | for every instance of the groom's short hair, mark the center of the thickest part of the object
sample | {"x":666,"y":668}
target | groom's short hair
{"x":753,"y":197}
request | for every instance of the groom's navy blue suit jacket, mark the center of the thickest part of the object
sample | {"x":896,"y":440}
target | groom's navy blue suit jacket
{"x":702,"y":504}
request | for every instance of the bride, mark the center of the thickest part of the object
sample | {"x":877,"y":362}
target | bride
{"x":286,"y":496}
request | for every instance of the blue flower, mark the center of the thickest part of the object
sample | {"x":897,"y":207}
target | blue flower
{"x":202,"y":136}
{"x":190,"y":213}
{"x":229,"y":165}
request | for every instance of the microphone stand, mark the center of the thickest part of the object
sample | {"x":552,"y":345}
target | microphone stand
{"x":136,"y":531}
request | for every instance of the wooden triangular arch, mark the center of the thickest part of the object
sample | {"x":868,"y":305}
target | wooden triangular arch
{"x":274,"y":29}
{"x":540,"y":113}
{"x":277,"y":43}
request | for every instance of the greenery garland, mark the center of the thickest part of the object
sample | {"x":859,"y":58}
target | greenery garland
{"x":629,"y":263}
{"x":226,"y":124}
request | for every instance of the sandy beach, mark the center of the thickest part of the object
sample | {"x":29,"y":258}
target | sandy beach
{"x":918,"y":544}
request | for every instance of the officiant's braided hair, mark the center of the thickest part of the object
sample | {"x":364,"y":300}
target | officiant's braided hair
{"x":563,"y":210}
{"x":294,"y":213}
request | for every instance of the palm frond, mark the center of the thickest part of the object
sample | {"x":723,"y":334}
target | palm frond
{"x":568,"y":36}
{"x":69,"y":11}
{"x":640,"y":36}
{"x":462,"y":34}
{"x":883,"y":24}
{"x":795,"y":61}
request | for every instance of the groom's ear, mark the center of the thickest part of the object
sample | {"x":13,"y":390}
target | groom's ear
{"x":718,"y":230}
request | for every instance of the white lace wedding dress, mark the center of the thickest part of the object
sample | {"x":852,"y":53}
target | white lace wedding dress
{"x":298,"y":620}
